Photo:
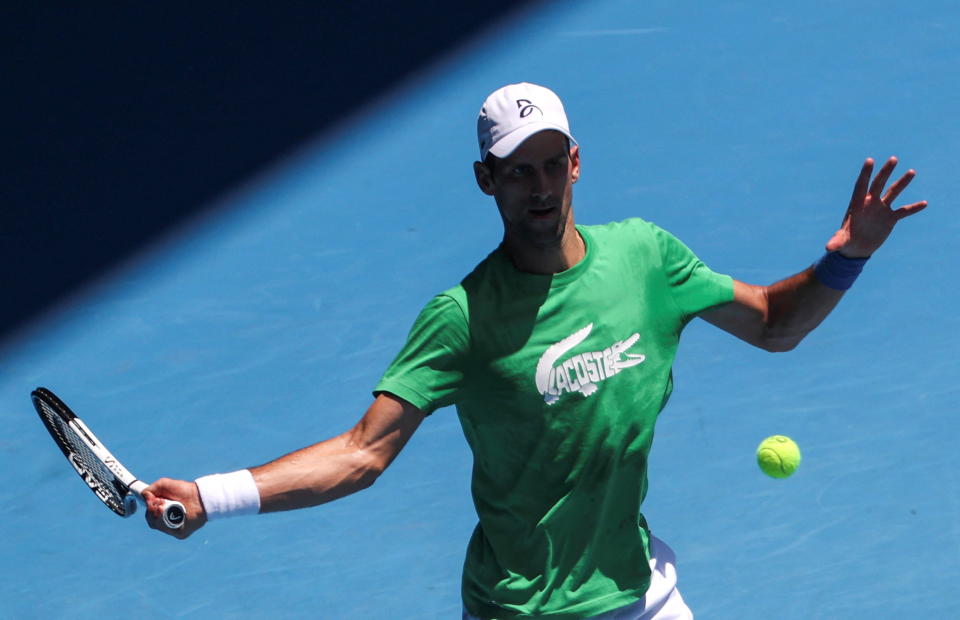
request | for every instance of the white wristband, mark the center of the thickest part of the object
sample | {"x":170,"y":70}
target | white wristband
{"x":226,"y":495}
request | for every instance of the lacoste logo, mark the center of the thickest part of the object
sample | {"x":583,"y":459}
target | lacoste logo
{"x":527,"y":107}
{"x":582,"y":372}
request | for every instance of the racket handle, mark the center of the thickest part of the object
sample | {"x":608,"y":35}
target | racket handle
{"x":174,"y":514}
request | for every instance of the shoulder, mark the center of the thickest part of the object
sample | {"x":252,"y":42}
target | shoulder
{"x":493,"y":276}
{"x":642,"y":231}
{"x":633,"y":235}
{"x":454,"y":302}
{"x":633,"y":228}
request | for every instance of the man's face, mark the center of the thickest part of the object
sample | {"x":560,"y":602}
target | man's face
{"x":533,"y":188}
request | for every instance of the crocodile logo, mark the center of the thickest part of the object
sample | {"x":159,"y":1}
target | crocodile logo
{"x":584,"y":371}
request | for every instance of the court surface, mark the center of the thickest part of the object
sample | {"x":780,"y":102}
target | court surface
{"x":740,"y":127}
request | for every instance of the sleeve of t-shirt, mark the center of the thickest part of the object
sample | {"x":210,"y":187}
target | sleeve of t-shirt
{"x":427,"y":371}
{"x":693,"y":285}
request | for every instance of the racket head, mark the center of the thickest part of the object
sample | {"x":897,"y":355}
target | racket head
{"x":80,"y":451}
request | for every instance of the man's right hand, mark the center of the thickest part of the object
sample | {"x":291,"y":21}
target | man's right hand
{"x":179,"y":490}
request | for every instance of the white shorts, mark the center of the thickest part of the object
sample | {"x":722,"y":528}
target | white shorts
{"x":662,"y":600}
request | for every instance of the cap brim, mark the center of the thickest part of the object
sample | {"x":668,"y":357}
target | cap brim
{"x":509,"y":143}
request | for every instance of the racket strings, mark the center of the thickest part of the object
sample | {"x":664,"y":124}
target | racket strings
{"x":93,"y":471}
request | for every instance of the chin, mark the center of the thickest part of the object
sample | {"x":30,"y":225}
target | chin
{"x":544,"y":238}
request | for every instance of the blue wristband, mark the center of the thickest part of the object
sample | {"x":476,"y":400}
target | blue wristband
{"x":837,"y":271}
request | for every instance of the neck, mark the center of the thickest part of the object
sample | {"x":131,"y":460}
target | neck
{"x":547,"y":259}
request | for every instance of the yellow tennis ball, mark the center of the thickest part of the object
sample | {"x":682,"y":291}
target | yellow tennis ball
{"x":778,"y":456}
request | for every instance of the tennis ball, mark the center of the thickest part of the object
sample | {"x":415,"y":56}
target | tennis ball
{"x":778,"y":456}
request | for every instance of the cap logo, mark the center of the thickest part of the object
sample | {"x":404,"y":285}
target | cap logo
{"x":527,"y":110}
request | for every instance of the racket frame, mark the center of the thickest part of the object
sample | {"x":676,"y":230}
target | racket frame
{"x":174,"y":514}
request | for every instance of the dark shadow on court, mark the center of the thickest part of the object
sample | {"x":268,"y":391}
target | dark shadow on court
{"x":128,"y":118}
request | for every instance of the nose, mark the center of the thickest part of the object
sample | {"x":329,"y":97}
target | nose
{"x":540,"y":189}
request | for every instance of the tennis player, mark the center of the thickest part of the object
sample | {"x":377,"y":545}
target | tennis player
{"x":556,"y":351}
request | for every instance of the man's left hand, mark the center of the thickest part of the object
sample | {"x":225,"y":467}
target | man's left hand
{"x":870,"y":218}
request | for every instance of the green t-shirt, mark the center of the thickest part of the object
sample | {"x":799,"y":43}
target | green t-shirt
{"x":558,"y":381}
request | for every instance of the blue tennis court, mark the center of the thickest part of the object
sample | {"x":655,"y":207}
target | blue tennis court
{"x":262,"y":328}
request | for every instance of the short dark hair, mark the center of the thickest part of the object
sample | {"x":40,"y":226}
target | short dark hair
{"x":490,"y":161}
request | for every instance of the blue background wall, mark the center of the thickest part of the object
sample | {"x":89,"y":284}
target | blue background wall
{"x":256,"y":318}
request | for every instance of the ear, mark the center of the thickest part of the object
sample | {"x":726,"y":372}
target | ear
{"x":484,"y":179}
{"x":574,"y":163}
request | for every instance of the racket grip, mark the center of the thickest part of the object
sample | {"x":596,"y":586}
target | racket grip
{"x":174,"y":514}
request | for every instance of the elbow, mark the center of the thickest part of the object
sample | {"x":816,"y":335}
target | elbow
{"x":367,"y":472}
{"x":780,"y":346}
{"x":780,"y":342}
{"x":366,"y":479}
{"x":779,"y":335}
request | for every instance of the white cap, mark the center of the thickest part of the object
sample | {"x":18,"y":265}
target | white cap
{"x":515,"y":112}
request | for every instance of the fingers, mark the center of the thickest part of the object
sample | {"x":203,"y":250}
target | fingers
{"x":908,"y":210}
{"x":860,"y":187}
{"x":184,"y":492}
{"x":154,"y":517}
{"x":876,"y":188}
{"x":861,"y":194}
{"x":898,"y":187}
{"x":154,"y":512}
{"x":154,"y":495}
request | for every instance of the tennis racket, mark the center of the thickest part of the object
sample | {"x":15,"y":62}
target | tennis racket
{"x":104,"y":474}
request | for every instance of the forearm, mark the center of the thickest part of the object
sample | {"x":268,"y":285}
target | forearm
{"x":342,"y":465}
{"x":319,"y":473}
{"x":315,"y":475}
{"x":775,"y":317}
{"x":795,"y":307}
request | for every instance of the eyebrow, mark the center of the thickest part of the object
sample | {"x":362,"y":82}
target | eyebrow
{"x":560,"y":155}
